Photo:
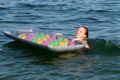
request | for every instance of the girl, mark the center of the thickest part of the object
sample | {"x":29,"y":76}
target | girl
{"x":82,"y":35}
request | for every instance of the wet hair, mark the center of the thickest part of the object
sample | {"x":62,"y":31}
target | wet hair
{"x":86,"y":33}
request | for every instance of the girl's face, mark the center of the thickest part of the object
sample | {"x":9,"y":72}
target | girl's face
{"x":80,"y":33}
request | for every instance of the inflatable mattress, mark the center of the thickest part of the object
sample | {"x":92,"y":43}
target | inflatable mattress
{"x":48,"y":42}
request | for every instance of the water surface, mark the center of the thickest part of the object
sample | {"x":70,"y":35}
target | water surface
{"x":101,"y":62}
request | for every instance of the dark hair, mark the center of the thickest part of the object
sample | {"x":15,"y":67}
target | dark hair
{"x":86,"y":33}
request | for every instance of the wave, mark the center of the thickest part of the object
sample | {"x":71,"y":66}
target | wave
{"x":99,"y":10}
{"x":38,"y":5}
{"x":96,"y":19}
{"x":97,"y":46}
{"x":91,"y":18}
{"x":3,"y":8}
{"x":25,"y":5}
{"x":22,"y":22}
{"x":101,"y":46}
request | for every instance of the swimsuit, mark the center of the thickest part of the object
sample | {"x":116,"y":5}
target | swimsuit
{"x":78,"y":42}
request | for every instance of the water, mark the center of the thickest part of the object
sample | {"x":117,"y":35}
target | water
{"x":101,"y":62}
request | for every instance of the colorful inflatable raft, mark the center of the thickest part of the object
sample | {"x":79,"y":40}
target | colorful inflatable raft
{"x":48,"y":42}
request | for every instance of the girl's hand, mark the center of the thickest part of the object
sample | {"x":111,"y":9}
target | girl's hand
{"x":59,"y":34}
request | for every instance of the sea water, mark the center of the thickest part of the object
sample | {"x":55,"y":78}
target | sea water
{"x":21,"y":62}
